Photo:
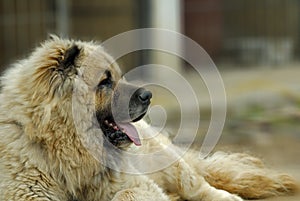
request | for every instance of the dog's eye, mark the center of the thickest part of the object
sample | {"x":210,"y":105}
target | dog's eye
{"x":107,"y":82}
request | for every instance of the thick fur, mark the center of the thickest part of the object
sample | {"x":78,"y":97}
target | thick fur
{"x":42,"y":150}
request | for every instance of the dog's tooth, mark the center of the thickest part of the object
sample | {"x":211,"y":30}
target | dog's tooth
{"x":110,"y":124}
{"x":116,"y":128}
{"x":106,"y":122}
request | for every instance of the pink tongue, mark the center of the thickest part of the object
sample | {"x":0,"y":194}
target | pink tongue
{"x":131,"y":132}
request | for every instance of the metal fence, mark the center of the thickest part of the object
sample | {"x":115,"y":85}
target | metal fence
{"x":246,"y":31}
{"x":24,"y":23}
{"x":238,"y":31}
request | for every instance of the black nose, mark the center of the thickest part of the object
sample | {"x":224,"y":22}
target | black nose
{"x":145,"y":96}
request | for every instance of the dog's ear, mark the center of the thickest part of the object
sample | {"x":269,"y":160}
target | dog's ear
{"x":69,"y":57}
{"x":52,"y":37}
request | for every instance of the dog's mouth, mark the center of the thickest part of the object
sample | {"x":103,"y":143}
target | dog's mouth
{"x":121,"y":133}
{"x":118,"y":128}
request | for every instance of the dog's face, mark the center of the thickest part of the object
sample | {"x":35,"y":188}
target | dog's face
{"x":117,"y":103}
{"x":86,"y":70}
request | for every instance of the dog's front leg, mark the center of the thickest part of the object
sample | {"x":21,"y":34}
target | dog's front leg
{"x":181,"y":179}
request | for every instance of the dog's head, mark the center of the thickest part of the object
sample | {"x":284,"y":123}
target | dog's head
{"x":116,"y":103}
{"x":77,"y":84}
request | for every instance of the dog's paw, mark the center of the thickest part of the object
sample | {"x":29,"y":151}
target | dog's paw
{"x":225,"y":196}
{"x":231,"y":198}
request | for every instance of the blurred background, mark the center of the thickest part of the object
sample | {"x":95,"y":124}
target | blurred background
{"x":254,"y":44}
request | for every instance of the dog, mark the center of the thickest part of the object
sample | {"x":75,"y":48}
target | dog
{"x":70,"y":124}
